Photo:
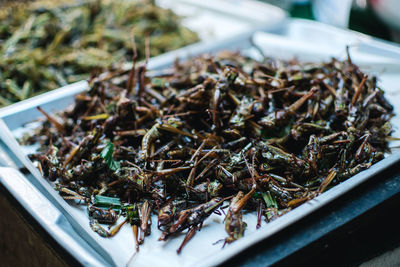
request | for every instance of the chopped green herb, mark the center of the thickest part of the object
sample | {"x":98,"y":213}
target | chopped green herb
{"x":107,"y":155}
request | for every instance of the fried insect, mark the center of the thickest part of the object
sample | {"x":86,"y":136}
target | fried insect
{"x":234,"y":224}
{"x":192,"y":219}
{"x":182,"y":141}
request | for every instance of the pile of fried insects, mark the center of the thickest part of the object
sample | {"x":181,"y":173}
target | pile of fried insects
{"x":47,"y":44}
{"x":180,"y":142}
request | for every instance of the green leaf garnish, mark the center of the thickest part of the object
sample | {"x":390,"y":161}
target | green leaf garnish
{"x":107,"y":155}
{"x":107,"y":202}
{"x":269,"y":200}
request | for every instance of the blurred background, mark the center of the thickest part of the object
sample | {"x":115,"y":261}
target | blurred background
{"x":379,"y":18}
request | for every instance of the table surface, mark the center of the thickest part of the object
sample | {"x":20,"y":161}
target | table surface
{"x":22,"y":241}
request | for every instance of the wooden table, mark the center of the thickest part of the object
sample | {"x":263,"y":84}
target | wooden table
{"x":22,"y":242}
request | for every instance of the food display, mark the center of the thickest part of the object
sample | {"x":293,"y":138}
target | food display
{"x":48,"y":44}
{"x":218,"y":134}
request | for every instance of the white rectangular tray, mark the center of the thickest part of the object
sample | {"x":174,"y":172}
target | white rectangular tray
{"x":199,"y":251}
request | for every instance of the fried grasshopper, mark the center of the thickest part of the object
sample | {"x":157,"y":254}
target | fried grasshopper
{"x":175,"y":144}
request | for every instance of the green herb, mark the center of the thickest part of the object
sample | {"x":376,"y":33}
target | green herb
{"x":107,"y":155}
{"x":107,"y":202}
{"x":132,"y":214}
{"x":269,"y":200}
{"x":53,"y":43}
